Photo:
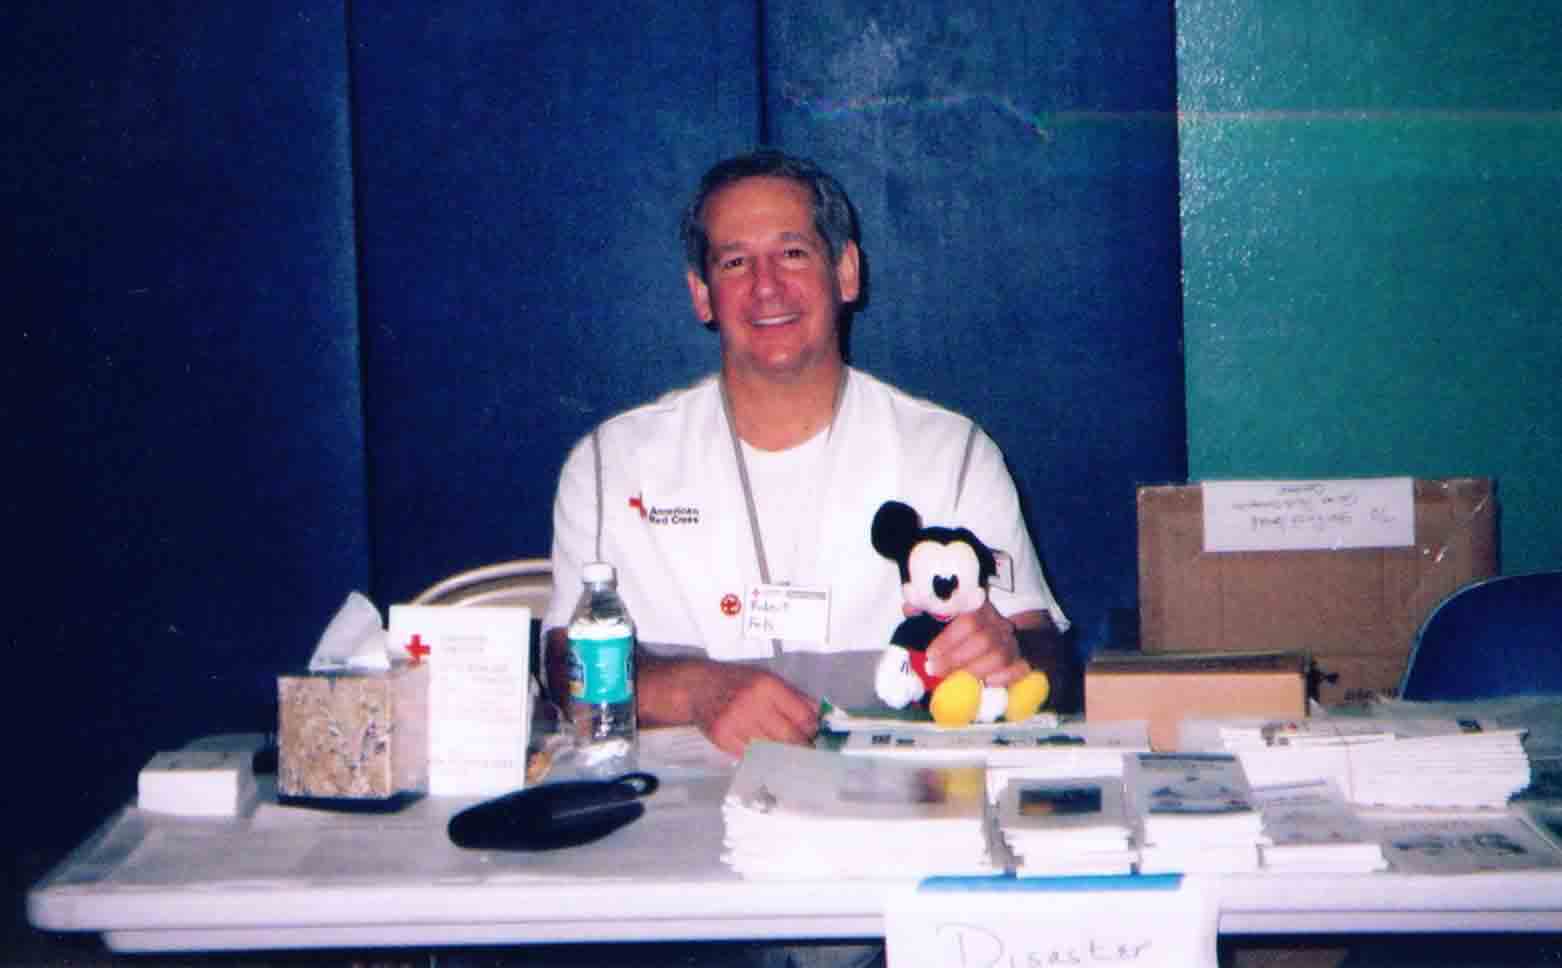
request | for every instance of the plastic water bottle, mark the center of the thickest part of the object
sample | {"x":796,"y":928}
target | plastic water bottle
{"x":602,"y":676}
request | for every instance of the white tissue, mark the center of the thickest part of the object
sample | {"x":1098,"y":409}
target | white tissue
{"x":354,"y":640}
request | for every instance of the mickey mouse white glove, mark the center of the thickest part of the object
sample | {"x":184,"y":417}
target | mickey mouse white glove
{"x":894,"y":681}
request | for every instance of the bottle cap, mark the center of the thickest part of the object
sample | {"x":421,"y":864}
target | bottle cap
{"x":597,"y":571}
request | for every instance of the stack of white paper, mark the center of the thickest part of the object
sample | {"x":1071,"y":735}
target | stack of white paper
{"x":1388,"y":762}
{"x":1309,"y":827}
{"x":795,"y":812}
{"x":1194,"y":813}
{"x":1481,"y":770}
{"x":197,"y":783}
{"x":1023,"y":751}
{"x":1067,"y":827}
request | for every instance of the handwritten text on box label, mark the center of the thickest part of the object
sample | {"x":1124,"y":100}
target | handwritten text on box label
{"x":1326,"y":515}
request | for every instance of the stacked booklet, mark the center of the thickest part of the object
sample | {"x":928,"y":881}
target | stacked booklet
{"x":1193,"y":812}
{"x":1466,"y":764}
{"x":794,"y":812}
{"x":1309,"y":827}
{"x":1067,"y":827}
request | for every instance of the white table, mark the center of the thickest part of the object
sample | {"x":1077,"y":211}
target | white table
{"x":281,"y":877}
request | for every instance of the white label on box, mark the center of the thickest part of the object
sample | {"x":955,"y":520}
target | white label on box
{"x":1325,"y":515}
{"x":479,"y":692}
{"x":1156,"y":921}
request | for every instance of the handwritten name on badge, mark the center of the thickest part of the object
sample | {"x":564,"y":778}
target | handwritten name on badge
{"x":1090,"y":922}
{"x":798,"y":612}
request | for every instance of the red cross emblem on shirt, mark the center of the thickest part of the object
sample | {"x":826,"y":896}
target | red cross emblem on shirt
{"x":417,"y":649}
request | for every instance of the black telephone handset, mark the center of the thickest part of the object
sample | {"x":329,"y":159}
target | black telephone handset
{"x":564,"y":814}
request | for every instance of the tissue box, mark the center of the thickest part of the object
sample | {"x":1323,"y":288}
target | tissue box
{"x":354,"y":735}
{"x":1163,"y":690}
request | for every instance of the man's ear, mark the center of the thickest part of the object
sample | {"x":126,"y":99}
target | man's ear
{"x":848,"y":272}
{"x":699,"y":295}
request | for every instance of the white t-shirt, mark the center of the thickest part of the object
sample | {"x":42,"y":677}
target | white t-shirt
{"x":675,"y":523}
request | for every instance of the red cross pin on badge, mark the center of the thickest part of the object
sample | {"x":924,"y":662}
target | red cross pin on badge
{"x":730,"y":605}
{"x":417,"y":649}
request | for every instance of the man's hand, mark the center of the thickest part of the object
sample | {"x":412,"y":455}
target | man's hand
{"x":983,"y":643}
{"x":737,"y":704}
{"x":732,"y":703}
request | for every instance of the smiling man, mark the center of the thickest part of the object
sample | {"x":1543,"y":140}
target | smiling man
{"x":738,"y":510}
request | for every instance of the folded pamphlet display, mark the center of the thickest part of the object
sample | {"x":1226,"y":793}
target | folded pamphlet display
{"x":1062,"y":827}
{"x":1441,"y":842}
{"x":795,"y":812}
{"x":1310,"y":828}
{"x":1193,"y":812}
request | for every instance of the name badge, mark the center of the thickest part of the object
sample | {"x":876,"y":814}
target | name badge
{"x":799,"y":612}
{"x":1004,"y":578}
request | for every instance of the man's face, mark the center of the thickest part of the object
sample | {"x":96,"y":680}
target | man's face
{"x":769,"y":285}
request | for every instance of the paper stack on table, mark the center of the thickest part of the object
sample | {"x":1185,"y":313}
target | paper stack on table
{"x":1194,"y":813}
{"x":1381,"y":762}
{"x":1310,"y":828}
{"x":1067,"y":827}
{"x":1477,"y":769}
{"x":796,"y":812}
{"x":1019,"y":751}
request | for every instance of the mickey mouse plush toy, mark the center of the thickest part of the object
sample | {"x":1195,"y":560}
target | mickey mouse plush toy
{"x":943,"y":573}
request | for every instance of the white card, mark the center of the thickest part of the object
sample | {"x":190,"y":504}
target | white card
{"x":1003,"y":577}
{"x":1156,"y":921}
{"x":479,"y":692}
{"x":798,"y":612}
{"x":1309,"y":515}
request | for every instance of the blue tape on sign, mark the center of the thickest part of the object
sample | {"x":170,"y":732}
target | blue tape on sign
{"x":1008,"y":882}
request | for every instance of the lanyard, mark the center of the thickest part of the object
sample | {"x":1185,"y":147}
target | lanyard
{"x":748,"y":488}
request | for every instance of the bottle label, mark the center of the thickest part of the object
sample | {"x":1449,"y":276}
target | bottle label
{"x":601,"y":670}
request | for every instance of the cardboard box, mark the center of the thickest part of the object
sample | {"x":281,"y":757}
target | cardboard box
{"x":1355,"y":611}
{"x":354,"y":736}
{"x":1163,"y":690}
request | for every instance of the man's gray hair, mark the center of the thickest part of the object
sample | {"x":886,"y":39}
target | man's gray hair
{"x":834,"y":219}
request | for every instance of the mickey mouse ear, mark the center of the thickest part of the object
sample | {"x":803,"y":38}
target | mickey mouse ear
{"x":895,"y":527}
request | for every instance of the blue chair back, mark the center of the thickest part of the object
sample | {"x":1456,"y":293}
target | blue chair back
{"x":1498,"y":637}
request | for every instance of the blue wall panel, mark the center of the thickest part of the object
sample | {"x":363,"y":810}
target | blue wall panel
{"x":1015,"y":169}
{"x":310,"y":297}
{"x":1372,"y":207}
{"x":183,"y":427}
{"x":521,"y":172}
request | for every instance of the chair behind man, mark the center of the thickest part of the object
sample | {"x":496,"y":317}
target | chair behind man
{"x":519,"y":582}
{"x":1493,"y":638}
{"x":523,"y":581}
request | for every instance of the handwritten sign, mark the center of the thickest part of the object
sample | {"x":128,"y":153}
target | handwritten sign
{"x":1159,"y":921}
{"x":479,"y":693}
{"x":1323,"y":515}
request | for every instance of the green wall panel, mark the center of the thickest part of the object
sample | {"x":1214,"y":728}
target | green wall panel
{"x":1371,"y":206}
